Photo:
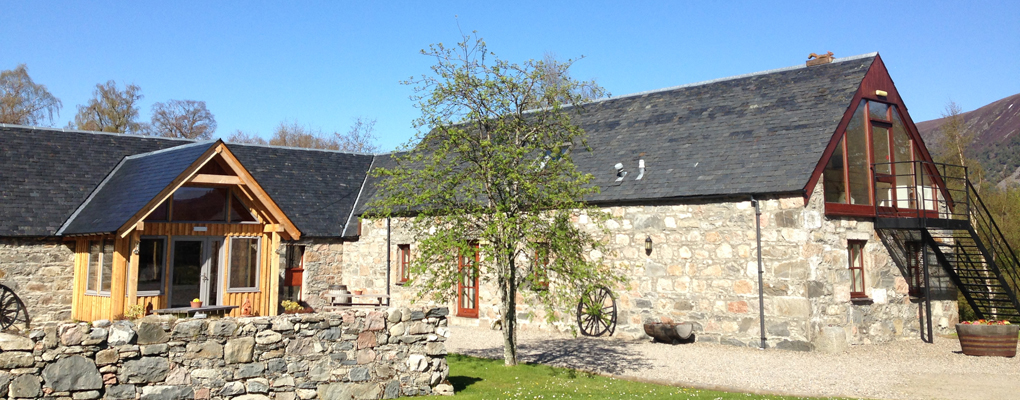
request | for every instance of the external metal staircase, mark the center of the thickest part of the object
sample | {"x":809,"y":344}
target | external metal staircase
{"x":932,"y":212}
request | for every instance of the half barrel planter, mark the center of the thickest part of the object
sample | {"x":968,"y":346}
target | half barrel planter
{"x":988,"y":340}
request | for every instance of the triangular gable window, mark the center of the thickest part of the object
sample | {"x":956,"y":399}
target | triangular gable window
{"x":876,"y":136}
{"x":238,"y":212}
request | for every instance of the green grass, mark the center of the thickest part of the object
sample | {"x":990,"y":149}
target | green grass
{"x":480,"y":378}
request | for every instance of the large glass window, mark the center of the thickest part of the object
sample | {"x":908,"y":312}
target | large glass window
{"x":875,"y":135}
{"x":200,"y":204}
{"x":151,"y":261}
{"x":244,"y":264}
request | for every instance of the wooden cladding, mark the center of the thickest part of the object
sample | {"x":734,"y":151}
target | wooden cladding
{"x":90,"y":307}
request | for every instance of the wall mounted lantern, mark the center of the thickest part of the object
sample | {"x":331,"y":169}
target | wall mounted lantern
{"x":648,"y":245}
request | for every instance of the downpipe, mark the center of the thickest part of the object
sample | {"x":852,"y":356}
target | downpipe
{"x":761,"y":271}
{"x":389,"y":252}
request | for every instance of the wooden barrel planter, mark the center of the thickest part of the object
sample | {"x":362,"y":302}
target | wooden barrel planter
{"x":670,"y":332}
{"x":988,"y":340}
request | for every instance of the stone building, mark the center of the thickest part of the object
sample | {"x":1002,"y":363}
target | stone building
{"x":850,"y":213}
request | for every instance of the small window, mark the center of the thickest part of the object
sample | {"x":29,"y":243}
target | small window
{"x":540,"y":272}
{"x":293,"y":274}
{"x":913,"y":250}
{"x":107,"y":268}
{"x":151,"y":262}
{"x":403,"y":262}
{"x":95,"y":257}
{"x":244,"y":264}
{"x":856,"y":250}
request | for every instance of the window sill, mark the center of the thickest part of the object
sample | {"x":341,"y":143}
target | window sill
{"x":148,"y":294}
{"x":243,"y":290}
{"x":861,"y":300}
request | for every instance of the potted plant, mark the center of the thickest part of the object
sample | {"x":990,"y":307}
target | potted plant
{"x":196,"y":303}
{"x":357,"y":291}
{"x":988,"y":338}
{"x":291,"y":307}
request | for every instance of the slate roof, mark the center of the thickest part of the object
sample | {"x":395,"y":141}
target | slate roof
{"x":45,"y":174}
{"x":761,"y":133}
{"x":754,"y":134}
{"x":132,"y":184}
{"x":315,"y":188}
{"x":48,"y":173}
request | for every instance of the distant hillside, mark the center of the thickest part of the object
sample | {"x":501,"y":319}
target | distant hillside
{"x":997,"y":142}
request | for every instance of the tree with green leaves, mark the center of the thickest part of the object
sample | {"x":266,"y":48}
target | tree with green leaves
{"x":490,"y":171}
{"x":111,"y":110}
{"x":24,"y":102}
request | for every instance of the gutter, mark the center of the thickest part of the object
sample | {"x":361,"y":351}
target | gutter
{"x":761,"y":271}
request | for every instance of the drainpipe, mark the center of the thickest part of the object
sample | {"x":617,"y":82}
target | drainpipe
{"x":388,"y":251}
{"x":761,"y":271}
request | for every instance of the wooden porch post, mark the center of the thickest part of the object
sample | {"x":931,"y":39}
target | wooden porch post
{"x":132,"y":279}
{"x":118,"y":284}
{"x":274,"y":274}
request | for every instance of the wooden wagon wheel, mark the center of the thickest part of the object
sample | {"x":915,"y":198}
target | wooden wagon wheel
{"x":12,"y":309}
{"x":596,"y":312}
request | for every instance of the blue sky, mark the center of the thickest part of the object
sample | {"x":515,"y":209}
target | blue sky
{"x":323,"y":64}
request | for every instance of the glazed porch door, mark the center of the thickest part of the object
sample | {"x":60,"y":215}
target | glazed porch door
{"x":195,"y":270}
{"x":467,"y":285}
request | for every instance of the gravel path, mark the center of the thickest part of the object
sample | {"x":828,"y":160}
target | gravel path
{"x":899,"y":370}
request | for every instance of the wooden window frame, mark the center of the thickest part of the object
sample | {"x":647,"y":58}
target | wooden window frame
{"x":540,"y":276}
{"x":461,"y":311}
{"x":93,"y":269}
{"x":165,"y":267}
{"x":403,"y":263}
{"x":230,"y":266}
{"x":855,"y":292}
{"x":868,"y":210}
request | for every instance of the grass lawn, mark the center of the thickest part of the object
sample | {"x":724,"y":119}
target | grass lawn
{"x":480,"y":378}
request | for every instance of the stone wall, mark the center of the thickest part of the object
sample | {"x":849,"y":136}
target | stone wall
{"x":355,"y":354}
{"x":703,"y":269}
{"x":41,"y":273}
{"x":323,"y":267}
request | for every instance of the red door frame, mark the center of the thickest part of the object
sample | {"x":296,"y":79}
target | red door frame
{"x":471,"y":289}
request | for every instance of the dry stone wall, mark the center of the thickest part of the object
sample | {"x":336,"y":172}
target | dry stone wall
{"x":41,"y":273}
{"x":361,"y":354}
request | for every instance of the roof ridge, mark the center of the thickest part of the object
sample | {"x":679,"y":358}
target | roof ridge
{"x":135,"y":135}
{"x":169,"y":149}
{"x":734,"y":77}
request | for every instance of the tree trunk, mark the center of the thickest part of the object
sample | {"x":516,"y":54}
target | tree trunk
{"x":508,"y":311}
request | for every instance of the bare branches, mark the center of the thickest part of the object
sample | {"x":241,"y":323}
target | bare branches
{"x":111,"y":110}
{"x":186,"y":119}
{"x":24,"y":102}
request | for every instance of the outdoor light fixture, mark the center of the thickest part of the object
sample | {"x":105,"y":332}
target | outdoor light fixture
{"x":881,"y":93}
{"x":648,"y":245}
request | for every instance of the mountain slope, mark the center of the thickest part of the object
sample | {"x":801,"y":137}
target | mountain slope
{"x":997,"y":140}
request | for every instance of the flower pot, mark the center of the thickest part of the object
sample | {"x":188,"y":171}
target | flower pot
{"x":988,"y":340}
{"x":357,"y":291}
{"x":196,"y":304}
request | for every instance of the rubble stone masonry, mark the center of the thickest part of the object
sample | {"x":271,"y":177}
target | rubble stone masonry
{"x":361,"y":354}
{"x":41,"y":273}
{"x":703,"y":269}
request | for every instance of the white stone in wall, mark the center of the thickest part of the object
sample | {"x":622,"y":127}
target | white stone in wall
{"x":879,"y":296}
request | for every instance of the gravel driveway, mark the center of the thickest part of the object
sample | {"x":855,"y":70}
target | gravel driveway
{"x":900,"y":370}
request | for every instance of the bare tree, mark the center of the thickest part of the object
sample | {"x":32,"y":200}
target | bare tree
{"x":556,"y":75}
{"x":246,"y":138}
{"x":360,"y":138}
{"x":297,"y":135}
{"x":111,"y":110}
{"x":954,"y":135}
{"x":188,"y":119}
{"x":24,"y":102}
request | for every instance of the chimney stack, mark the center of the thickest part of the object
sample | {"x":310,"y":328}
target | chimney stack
{"x":815,"y":59}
